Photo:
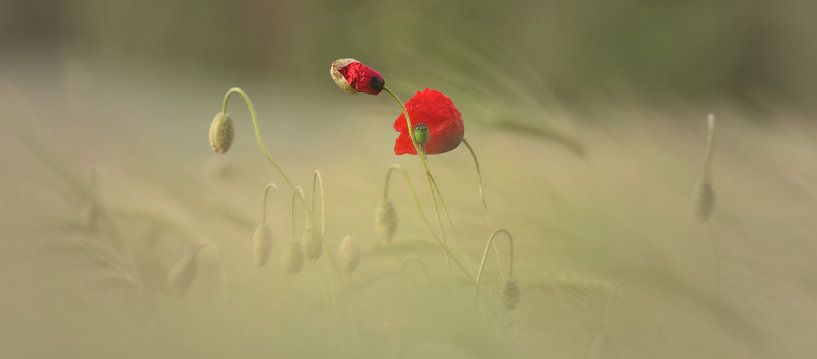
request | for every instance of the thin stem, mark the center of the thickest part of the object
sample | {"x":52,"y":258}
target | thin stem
{"x":479,"y":180}
{"x":710,"y":139}
{"x":264,"y":205}
{"x":318,"y":179}
{"x":482,"y":194}
{"x":259,"y":141}
{"x":485,"y":255}
{"x":297,"y":191}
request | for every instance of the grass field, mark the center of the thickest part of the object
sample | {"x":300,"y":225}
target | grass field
{"x":608,"y":256}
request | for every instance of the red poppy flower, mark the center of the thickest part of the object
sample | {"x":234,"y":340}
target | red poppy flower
{"x":438,"y":113}
{"x":353,"y":76}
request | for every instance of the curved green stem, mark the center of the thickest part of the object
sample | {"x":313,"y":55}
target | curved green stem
{"x":485,"y":255}
{"x":479,"y":180}
{"x":318,"y":179}
{"x":259,"y":141}
{"x":297,"y":191}
{"x":267,"y":188}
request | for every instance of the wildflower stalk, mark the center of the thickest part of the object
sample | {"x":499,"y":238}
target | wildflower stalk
{"x":259,"y":141}
{"x":482,"y":194}
{"x":267,"y":188}
{"x":432,"y":183}
{"x":485,"y":255}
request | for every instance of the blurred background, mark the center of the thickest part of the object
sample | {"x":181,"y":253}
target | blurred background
{"x":589,"y":119}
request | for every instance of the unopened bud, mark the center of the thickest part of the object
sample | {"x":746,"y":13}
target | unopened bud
{"x":221,"y":132}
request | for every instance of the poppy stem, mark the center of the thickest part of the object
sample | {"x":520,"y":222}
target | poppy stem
{"x":485,"y":255}
{"x":259,"y":141}
{"x":710,"y":139}
{"x":264,"y":205}
{"x":295,"y":193}
{"x":479,"y":180}
{"x":482,"y":194}
{"x":432,"y":183}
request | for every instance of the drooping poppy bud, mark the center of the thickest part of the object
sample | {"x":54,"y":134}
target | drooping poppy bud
{"x":509,"y":293}
{"x":438,"y":113}
{"x":385,"y":220}
{"x":312,"y":243}
{"x":221,"y":133}
{"x":292,"y":259}
{"x":262,"y":244}
{"x":352,"y":76}
{"x":348,"y":254}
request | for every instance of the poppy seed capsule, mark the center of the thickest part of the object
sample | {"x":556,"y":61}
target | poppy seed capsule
{"x":262,"y":244}
{"x":221,"y":133}
{"x":509,"y":293}
{"x":312,"y":243}
{"x":421,"y":134}
{"x":349,"y":254}
{"x":703,"y":201}
{"x":385,"y":220}
{"x":292,"y":259}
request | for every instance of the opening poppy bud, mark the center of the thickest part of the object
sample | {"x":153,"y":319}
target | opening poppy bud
{"x":443,"y":121}
{"x":221,"y":133}
{"x":349,"y":254}
{"x":385,"y":220}
{"x":352,"y":76}
{"x":509,"y":293}
{"x":421,"y":135}
{"x":292,"y":259}
{"x":312,"y":244}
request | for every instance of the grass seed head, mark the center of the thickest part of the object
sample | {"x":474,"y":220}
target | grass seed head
{"x":292,"y":259}
{"x":385,"y":220}
{"x":221,"y":132}
{"x":703,"y":201}
{"x":509,"y":293}
{"x":262,"y":244}
{"x":313,"y":243}
{"x":349,"y":254}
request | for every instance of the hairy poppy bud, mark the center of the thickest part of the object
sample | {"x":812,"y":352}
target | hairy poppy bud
{"x":221,"y":132}
{"x":352,"y":76}
{"x":349,"y":254}
{"x":292,"y":259}
{"x":509,"y":293}
{"x":385,"y":220}
{"x":312,"y":243}
{"x":262,"y":244}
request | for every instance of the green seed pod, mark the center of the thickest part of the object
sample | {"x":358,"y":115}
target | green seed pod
{"x":703,"y":201}
{"x":509,"y":293}
{"x":385,"y":220}
{"x":312,"y":242}
{"x":349,"y":254}
{"x":221,"y":132}
{"x":292,"y":258}
{"x":262,"y":244}
{"x":420,"y":134}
